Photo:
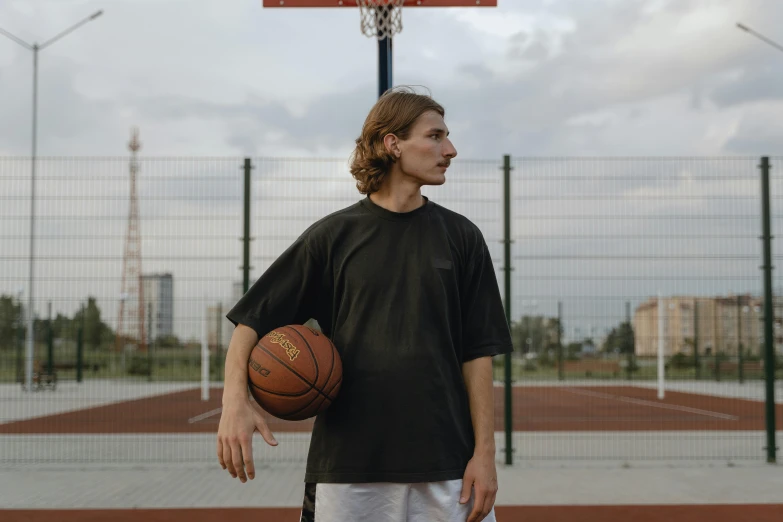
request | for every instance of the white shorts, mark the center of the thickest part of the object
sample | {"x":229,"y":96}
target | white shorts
{"x":387,"y":502}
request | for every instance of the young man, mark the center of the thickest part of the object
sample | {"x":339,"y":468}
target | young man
{"x":407,"y":291}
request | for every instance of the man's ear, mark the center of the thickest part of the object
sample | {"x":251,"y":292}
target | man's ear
{"x":392,"y":144}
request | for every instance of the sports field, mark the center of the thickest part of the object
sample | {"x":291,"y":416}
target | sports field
{"x":570,"y":408}
{"x":150,"y":447}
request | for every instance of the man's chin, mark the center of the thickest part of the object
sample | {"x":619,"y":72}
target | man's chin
{"x":438,"y":179}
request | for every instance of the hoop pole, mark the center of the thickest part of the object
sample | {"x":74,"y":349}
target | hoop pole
{"x":384,"y":53}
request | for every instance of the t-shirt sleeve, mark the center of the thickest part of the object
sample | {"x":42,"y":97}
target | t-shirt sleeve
{"x":286,"y":293}
{"x":485,"y":328}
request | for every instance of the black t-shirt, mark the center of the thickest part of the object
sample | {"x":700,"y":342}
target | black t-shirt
{"x":406,"y":298}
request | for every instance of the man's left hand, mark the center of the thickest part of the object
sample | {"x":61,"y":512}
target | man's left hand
{"x":480,"y":475}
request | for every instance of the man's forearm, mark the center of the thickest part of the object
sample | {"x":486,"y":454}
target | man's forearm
{"x":478,"y":380}
{"x":242,"y":342}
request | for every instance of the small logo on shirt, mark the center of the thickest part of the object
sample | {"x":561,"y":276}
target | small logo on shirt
{"x":290,"y":350}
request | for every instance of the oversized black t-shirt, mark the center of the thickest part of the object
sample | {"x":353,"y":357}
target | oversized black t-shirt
{"x":407,"y":298}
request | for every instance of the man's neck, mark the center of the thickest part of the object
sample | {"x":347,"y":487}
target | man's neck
{"x":398,"y":197}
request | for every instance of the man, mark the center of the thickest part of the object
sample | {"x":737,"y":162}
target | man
{"x":407,"y":291}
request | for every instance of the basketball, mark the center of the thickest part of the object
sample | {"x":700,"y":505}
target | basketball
{"x":294,"y":372}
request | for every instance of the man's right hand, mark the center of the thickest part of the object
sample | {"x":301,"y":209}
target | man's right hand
{"x":240,"y":418}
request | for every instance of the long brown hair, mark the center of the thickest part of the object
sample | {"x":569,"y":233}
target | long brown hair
{"x":395,"y":112}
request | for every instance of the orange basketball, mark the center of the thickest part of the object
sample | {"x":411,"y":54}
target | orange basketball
{"x":294,"y":372}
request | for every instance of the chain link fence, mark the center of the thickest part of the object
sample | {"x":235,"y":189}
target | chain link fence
{"x":613,"y":261}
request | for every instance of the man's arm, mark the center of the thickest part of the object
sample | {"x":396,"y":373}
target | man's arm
{"x":240,"y":416}
{"x":481,"y":474}
{"x":235,"y":379}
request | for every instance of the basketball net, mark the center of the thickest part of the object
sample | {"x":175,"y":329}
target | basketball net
{"x":381,"y":18}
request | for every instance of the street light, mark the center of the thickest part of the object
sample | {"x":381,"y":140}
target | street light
{"x":31,"y":315}
{"x":759,"y":36}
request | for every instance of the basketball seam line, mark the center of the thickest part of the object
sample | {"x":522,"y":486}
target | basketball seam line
{"x":294,"y":372}
{"x":279,"y":394}
{"x":312,"y":354}
{"x":315,"y":362}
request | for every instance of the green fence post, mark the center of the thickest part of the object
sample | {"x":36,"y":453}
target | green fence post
{"x":717,"y":362}
{"x":739,"y":340}
{"x":560,"y":364}
{"x":79,"y":351}
{"x":247,"y":167}
{"x":507,"y":279}
{"x":769,"y":312}
{"x":696,"y":359}
{"x":20,"y":345}
{"x":150,"y":343}
{"x":628,"y":342}
{"x":218,"y":343}
{"x":49,"y":343}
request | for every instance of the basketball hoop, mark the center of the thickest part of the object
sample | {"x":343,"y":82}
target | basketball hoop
{"x":380,"y":18}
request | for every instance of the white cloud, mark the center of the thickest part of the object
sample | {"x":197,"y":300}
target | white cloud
{"x":539,"y":77}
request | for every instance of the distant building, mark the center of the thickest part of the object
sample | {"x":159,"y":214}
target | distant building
{"x":722,"y":324}
{"x":158,"y":304}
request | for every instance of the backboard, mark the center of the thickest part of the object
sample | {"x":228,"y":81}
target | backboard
{"x":380,"y":19}
{"x":408,"y":3}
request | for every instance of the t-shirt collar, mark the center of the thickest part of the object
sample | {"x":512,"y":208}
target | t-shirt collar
{"x":395,"y":216}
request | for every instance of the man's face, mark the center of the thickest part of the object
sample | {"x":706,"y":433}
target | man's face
{"x":427,"y":152}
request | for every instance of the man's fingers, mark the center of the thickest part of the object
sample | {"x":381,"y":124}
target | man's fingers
{"x":264,"y":430}
{"x":489,"y":503}
{"x":467,"y":484}
{"x":247,"y":453}
{"x":236,"y":457}
{"x":476,"y":513}
{"x":227,"y":459}
{"x":220,"y":453}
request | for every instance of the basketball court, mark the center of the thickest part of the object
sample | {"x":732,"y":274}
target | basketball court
{"x":537,"y":409}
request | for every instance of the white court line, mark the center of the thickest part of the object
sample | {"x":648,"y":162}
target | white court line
{"x":653,"y":404}
{"x":204,"y":415}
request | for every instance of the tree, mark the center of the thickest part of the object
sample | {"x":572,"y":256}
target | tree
{"x":96,"y":332}
{"x":10,"y":322}
{"x":620,"y":340}
{"x":167,"y":341}
{"x":543,"y":334}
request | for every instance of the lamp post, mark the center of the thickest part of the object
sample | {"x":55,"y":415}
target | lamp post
{"x":760,"y":36}
{"x":35,"y":48}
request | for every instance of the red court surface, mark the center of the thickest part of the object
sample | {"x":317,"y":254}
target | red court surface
{"x":676,"y":513}
{"x":542,"y":408}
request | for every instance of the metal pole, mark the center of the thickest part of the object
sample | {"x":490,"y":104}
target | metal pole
{"x":696,"y":357}
{"x":30,"y":299}
{"x":384,"y":53}
{"x":769,"y":312}
{"x":218,"y":339}
{"x":717,"y":362}
{"x":760,"y":37}
{"x":80,"y":348}
{"x":560,"y":365}
{"x":246,"y":238}
{"x":661,"y":366}
{"x":150,"y":335}
{"x":50,"y":343}
{"x":384,"y":65}
{"x":627,"y":342}
{"x":739,"y":340}
{"x":20,"y":342}
{"x":507,"y":278}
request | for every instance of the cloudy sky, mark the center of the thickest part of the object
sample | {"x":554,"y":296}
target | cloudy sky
{"x":529,"y":78}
